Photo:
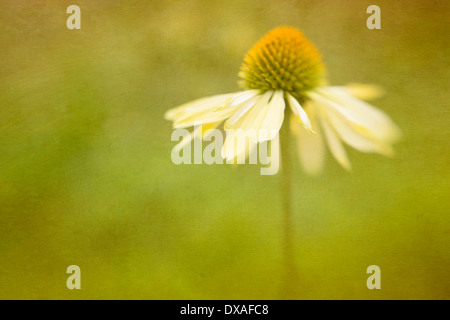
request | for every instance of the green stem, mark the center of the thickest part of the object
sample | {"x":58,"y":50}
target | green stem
{"x":291,"y":278}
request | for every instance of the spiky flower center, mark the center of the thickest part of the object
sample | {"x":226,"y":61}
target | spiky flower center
{"x":283,"y":59}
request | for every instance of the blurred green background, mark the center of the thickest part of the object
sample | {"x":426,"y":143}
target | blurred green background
{"x":86,"y":176}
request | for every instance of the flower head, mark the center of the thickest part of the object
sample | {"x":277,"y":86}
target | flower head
{"x":284,"y":68}
{"x":282,"y":60}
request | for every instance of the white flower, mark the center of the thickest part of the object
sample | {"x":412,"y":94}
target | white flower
{"x":284,"y":68}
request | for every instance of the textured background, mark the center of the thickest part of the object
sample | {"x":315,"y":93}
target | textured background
{"x":86,"y":176}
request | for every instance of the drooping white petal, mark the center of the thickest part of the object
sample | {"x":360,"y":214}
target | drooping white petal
{"x":247,"y":121}
{"x":334,"y":143}
{"x":299,"y":112}
{"x":358,"y":141}
{"x":333,"y":108}
{"x":238,"y":145}
{"x":241,"y":98}
{"x":199,"y":105}
{"x":255,"y":120}
{"x":273,"y":118}
{"x":204,"y":117}
{"x":246,"y":128}
{"x":351,"y":103}
{"x":361,"y":118}
{"x":229,"y":146}
{"x":372,"y":121}
{"x":204,"y":112}
{"x":310,"y":146}
{"x":243,"y":109}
